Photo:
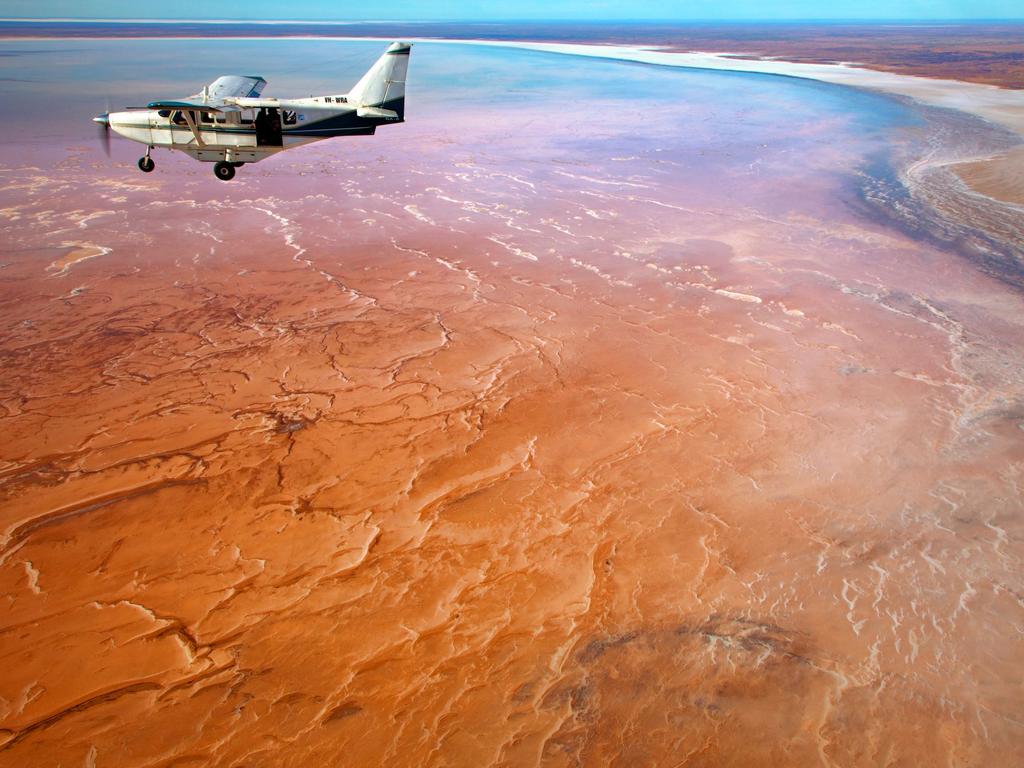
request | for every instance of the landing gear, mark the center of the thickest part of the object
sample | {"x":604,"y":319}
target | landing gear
{"x":224,"y":171}
{"x":146,"y":164}
{"x":238,"y":165}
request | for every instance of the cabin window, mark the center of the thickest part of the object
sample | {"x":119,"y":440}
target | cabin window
{"x":178,"y":118}
{"x":247,"y":117}
{"x":206,"y":117}
{"x":164,"y":113}
{"x":290,"y":118}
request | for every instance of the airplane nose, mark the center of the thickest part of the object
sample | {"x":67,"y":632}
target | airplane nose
{"x":103,"y":119}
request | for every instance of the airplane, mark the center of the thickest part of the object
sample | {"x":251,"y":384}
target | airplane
{"x":230,"y":124}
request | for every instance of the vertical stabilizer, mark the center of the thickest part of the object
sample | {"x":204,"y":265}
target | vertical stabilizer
{"x":384,"y":85}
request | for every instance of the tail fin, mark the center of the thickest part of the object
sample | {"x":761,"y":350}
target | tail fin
{"x":384,"y":85}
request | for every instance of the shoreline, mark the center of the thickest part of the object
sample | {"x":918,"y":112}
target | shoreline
{"x":1002,"y":106}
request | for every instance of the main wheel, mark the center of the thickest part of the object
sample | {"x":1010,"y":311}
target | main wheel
{"x":146,"y":164}
{"x":238,"y":165}
{"x":224,"y":171}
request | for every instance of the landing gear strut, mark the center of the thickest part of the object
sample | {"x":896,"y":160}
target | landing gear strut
{"x":224,"y":171}
{"x":146,"y":164}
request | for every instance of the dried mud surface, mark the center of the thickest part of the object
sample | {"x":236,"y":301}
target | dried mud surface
{"x":483,"y":464}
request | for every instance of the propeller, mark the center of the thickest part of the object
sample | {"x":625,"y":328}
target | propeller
{"x":103,"y":121}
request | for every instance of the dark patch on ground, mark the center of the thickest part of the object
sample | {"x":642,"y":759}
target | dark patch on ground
{"x":342,"y":711}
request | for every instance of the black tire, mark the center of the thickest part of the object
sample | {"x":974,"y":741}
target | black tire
{"x":146,"y":164}
{"x":238,"y":165}
{"x":224,"y":171}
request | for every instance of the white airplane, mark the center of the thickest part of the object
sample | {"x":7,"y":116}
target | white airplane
{"x":228,"y":123}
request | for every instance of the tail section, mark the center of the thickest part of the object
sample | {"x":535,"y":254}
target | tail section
{"x":383,"y":87}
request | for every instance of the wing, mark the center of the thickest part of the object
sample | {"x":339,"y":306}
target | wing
{"x":211,"y":98}
{"x":197,"y":106}
{"x":232,"y":87}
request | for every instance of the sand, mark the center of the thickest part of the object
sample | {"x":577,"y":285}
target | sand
{"x":1000,"y":177}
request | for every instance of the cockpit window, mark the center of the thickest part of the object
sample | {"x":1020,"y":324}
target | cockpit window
{"x":178,"y":118}
{"x":289,"y":117}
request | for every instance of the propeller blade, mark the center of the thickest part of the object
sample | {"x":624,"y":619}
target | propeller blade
{"x":104,"y":127}
{"x":103,"y":121}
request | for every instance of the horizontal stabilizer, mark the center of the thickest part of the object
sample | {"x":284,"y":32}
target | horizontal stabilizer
{"x":378,"y":113}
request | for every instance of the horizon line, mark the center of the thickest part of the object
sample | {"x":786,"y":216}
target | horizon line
{"x":352,"y":22}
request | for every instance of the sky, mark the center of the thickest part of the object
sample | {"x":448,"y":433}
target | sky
{"x":595,"y":10}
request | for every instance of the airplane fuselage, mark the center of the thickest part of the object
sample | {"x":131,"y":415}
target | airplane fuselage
{"x":248,"y":135}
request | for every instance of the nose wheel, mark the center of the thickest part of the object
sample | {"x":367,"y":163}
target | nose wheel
{"x":224,"y":171}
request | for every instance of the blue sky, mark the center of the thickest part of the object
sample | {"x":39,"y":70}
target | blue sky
{"x":518,"y":9}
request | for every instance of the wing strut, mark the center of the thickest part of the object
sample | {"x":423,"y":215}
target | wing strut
{"x":189,"y":116}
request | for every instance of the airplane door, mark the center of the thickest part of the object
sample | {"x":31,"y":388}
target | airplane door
{"x":179,"y":132}
{"x":268,"y":127}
